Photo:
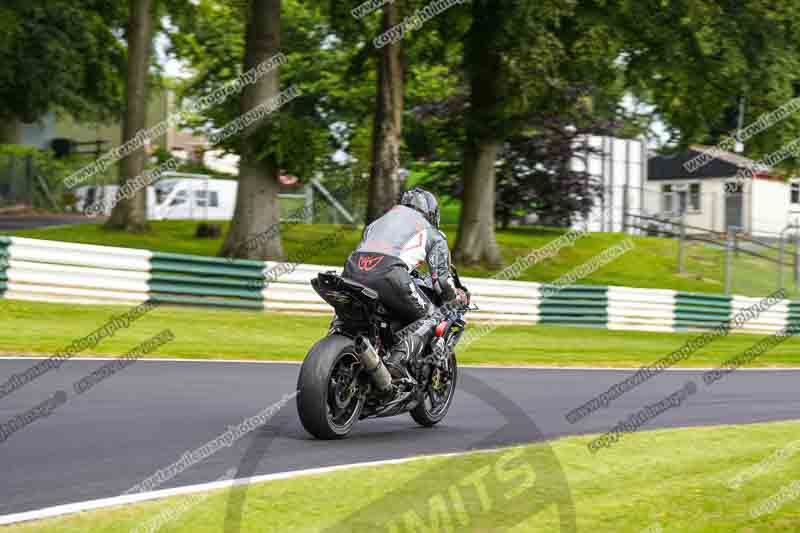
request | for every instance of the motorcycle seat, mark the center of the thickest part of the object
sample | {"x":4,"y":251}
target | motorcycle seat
{"x":352,"y":300}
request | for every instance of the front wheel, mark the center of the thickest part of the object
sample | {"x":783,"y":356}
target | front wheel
{"x":331,"y":389}
{"x":437,"y":398}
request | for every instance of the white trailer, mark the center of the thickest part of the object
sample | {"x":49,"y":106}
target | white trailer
{"x":195,"y":198}
{"x":104,"y":196}
{"x":182,"y":196}
{"x":172,"y":198}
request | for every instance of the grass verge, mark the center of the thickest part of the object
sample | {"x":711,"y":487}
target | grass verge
{"x":666,"y":480}
{"x":43,"y":328}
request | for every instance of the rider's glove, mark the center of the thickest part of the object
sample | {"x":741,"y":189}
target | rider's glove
{"x":462,"y":297}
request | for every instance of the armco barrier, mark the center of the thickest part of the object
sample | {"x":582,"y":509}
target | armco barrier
{"x":700,"y":311}
{"x":574,"y":305}
{"x":51,"y":271}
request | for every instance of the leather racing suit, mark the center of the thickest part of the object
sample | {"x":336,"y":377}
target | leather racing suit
{"x":390,"y":248}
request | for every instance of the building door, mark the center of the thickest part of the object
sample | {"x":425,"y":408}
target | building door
{"x":734,"y":205}
{"x":683,"y":201}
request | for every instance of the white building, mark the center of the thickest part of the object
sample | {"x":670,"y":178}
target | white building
{"x":619,"y":165}
{"x":716,"y":196}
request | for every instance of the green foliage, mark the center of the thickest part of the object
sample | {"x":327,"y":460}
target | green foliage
{"x":190,"y":166}
{"x":15,"y":160}
{"x":332,"y":61}
{"x":691,"y":60}
{"x":211,"y":39}
{"x":59,"y":54}
{"x":694,"y":59}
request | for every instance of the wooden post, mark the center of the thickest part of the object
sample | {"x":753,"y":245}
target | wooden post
{"x":682,"y":244}
{"x":797,"y":256}
{"x":625,"y":207}
{"x":729,"y":260}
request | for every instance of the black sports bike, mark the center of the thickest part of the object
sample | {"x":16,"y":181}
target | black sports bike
{"x":344,"y":378}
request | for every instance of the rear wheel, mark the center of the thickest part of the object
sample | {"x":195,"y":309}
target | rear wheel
{"x":331,"y":389}
{"x":436,"y":400}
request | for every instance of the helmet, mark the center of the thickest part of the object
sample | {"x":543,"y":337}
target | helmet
{"x":424,"y":202}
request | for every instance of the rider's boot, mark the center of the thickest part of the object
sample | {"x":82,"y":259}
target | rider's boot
{"x":410,"y":345}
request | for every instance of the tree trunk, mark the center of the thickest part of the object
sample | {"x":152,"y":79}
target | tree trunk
{"x":254,"y":231}
{"x":505,"y":218}
{"x":483,"y":63}
{"x":130,"y":214}
{"x":10,"y":130}
{"x":385,"y":181}
{"x":476,"y":236}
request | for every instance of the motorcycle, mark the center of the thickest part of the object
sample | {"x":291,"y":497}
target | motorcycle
{"x":344,"y":378}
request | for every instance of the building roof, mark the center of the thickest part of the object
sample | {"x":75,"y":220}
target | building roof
{"x":722,"y":164}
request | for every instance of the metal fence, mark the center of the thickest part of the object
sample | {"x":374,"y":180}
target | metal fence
{"x":24,"y":182}
{"x":736,"y":261}
{"x":16,"y":180}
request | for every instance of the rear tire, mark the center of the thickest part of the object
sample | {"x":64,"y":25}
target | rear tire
{"x":429,"y":413}
{"x":328,"y":401}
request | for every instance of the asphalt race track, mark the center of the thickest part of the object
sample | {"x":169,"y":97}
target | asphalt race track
{"x":13,"y":223}
{"x":148,"y":415}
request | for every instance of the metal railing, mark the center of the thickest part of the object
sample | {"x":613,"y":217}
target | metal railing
{"x":741,"y":255}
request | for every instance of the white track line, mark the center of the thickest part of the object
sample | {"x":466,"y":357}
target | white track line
{"x":70,"y":508}
{"x":486,"y":367}
{"x":91,"y":505}
{"x":627,"y":368}
{"x":156,"y":360}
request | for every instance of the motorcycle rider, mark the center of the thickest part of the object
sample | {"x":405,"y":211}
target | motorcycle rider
{"x":390,"y":249}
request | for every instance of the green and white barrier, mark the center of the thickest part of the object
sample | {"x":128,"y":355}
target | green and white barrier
{"x":40,"y":270}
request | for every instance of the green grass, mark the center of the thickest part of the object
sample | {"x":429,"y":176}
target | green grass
{"x":676,"y":479}
{"x":651,"y":265}
{"x":43,"y":328}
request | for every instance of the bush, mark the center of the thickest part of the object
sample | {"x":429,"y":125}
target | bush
{"x":207,"y":230}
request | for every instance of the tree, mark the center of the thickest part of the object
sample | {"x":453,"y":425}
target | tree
{"x":476,"y":237}
{"x":257,"y":207}
{"x":694,"y":61}
{"x":58,"y":55}
{"x":404,"y":73}
{"x":332,"y":112}
{"x":536,"y":171}
{"x":509,"y":58}
{"x":385,"y":181}
{"x":130,"y":213}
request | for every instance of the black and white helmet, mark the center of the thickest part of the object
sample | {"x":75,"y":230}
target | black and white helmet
{"x":424,"y":202}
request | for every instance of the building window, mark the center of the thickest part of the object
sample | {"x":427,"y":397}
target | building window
{"x":667,"y":199}
{"x":796,"y":193}
{"x":695,"y":196}
{"x":180,"y":198}
{"x":206,"y":198}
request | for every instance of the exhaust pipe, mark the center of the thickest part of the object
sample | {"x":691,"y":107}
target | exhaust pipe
{"x":374,"y":366}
